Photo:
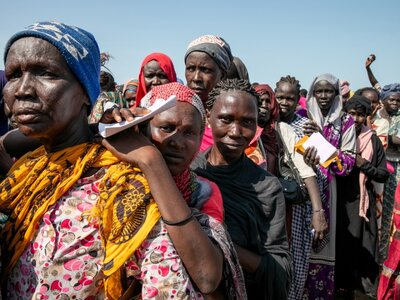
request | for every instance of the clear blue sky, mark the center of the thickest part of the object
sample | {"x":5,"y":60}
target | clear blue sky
{"x":302,"y":38}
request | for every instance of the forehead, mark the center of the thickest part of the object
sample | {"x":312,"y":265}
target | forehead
{"x":152,"y":65}
{"x":182,"y":112}
{"x":237,"y":102}
{"x":198,"y":57}
{"x":371,"y":95}
{"x":357,"y":111}
{"x":323,"y":84}
{"x":31,"y":48}
{"x":286,"y":87}
{"x":395,"y":96}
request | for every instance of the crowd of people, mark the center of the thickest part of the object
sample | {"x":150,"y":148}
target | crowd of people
{"x":192,"y":204}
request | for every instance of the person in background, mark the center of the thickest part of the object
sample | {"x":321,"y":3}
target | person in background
{"x":207,"y":61}
{"x":390,"y":97}
{"x":378,"y":119}
{"x":306,"y":222}
{"x":157,"y":68}
{"x":345,"y":90}
{"x":357,"y":259}
{"x":324,"y":107}
{"x":109,"y":96}
{"x":267,"y":116}
{"x":253,"y":199}
{"x":129,"y":91}
{"x":238,"y":70}
{"x":389,"y":282}
{"x":371,"y":77}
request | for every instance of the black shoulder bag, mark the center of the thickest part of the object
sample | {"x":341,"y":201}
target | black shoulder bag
{"x":294,"y":188}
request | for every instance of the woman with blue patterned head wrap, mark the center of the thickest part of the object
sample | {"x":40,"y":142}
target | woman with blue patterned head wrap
{"x":390,"y":97}
{"x":76,"y":213}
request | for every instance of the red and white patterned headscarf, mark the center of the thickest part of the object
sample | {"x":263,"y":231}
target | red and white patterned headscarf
{"x":182,"y":93}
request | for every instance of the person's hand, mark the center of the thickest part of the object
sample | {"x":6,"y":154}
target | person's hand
{"x":131,"y":146}
{"x":310,"y":157}
{"x":319,"y":224}
{"x":116,"y":114}
{"x":376,"y":109}
{"x":370,"y":60}
{"x":310,"y":127}
{"x":359,"y":161}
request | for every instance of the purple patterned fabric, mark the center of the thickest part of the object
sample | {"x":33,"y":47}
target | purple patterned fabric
{"x":320,"y":282}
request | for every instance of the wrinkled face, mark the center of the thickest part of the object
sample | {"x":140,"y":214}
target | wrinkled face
{"x":233,"y":120}
{"x":287,"y":96}
{"x":42,"y":93}
{"x":373,"y":97}
{"x":202,"y":73}
{"x":176,"y":132}
{"x":392,"y":103}
{"x":264,"y":111}
{"x":324,"y":93}
{"x":359,"y":118}
{"x":154,"y":75}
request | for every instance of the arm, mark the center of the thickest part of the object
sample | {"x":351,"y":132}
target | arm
{"x":16,"y":144}
{"x":204,"y":268}
{"x":346,"y":152}
{"x":318,"y":218}
{"x":378,"y":172}
{"x":274,"y":271}
{"x":371,"y":76}
{"x":394,"y":140}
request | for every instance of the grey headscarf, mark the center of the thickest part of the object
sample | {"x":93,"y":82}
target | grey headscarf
{"x":216,"y":47}
{"x":312,"y":105}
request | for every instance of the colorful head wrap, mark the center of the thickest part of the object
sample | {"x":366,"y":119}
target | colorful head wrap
{"x":182,"y":93}
{"x":78,"y":47}
{"x":131,"y":84}
{"x":216,"y":47}
{"x":358,"y":101}
{"x":344,"y":87}
{"x":313,"y":108}
{"x":166,"y":65}
{"x":389,"y":90}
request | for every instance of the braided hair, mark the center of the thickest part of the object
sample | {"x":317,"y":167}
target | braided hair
{"x":289,"y":80}
{"x":231,"y":85}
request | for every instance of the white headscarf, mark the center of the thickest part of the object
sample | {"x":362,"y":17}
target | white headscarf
{"x":313,"y":109}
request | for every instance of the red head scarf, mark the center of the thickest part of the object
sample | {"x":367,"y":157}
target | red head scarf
{"x":268,"y":136}
{"x":166,"y":65}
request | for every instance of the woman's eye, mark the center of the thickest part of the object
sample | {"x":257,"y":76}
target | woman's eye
{"x":167,"y":128}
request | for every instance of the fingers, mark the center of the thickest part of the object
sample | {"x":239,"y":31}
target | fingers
{"x":311,"y":157}
{"x":125,"y":114}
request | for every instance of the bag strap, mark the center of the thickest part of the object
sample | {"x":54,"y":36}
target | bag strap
{"x":291,"y":164}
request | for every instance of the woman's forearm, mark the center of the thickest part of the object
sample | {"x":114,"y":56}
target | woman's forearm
{"x":202,"y":259}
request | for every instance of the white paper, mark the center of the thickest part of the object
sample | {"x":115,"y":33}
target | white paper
{"x":324,"y":149}
{"x":159,"y":106}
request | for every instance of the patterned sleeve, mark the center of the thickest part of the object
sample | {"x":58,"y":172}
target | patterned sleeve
{"x":347,"y":149}
{"x":98,"y":109}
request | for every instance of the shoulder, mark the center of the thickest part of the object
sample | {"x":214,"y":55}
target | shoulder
{"x":200,"y":162}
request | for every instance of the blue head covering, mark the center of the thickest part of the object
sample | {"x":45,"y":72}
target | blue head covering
{"x":389,"y":90}
{"x":78,"y":47}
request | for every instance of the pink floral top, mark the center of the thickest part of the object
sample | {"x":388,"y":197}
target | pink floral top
{"x":64,"y":258}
